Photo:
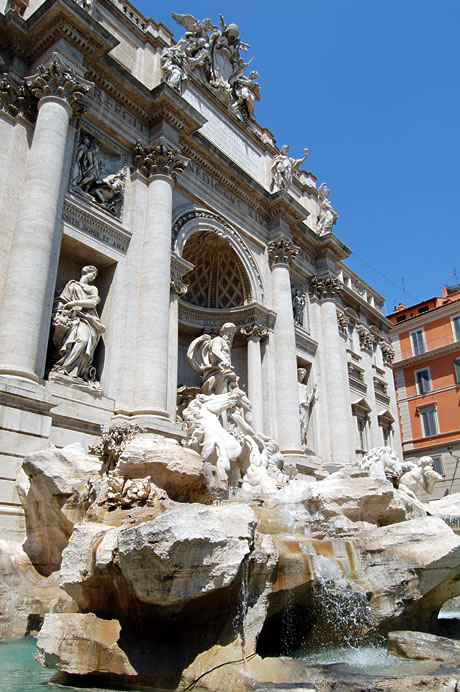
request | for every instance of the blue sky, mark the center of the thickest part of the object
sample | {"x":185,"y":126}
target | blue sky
{"x":371,"y":87}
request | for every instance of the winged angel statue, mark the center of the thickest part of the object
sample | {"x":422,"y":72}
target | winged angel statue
{"x":212,"y":53}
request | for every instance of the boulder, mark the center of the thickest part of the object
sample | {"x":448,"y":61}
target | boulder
{"x":181,"y":472}
{"x":344,"y":503}
{"x":187,"y":552}
{"x":86,"y":573}
{"x":52,"y":492}
{"x":411,"y":569}
{"x":25,"y":595}
{"x":421,"y":645}
{"x":82,"y":644}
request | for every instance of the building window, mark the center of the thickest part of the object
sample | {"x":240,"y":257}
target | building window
{"x":423,"y":309}
{"x":418,"y":342}
{"x":456,"y":327}
{"x":386,"y":430}
{"x":362,"y":441}
{"x":429,"y":420}
{"x":437,"y":464}
{"x":351,"y":337}
{"x":457,"y":370}
{"x":423,"y":381}
{"x":401,"y":318}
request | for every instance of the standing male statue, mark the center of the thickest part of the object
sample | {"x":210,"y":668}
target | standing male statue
{"x":211,"y":357}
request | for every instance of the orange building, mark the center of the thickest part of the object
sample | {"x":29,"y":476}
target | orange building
{"x":426,"y":341}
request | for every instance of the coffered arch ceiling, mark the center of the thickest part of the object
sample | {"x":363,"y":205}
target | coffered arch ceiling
{"x":219,"y":279}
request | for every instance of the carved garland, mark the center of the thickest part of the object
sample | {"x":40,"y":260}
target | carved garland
{"x":202,"y":214}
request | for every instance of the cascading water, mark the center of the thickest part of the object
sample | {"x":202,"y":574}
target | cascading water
{"x":239,"y":619}
{"x":342,"y":613}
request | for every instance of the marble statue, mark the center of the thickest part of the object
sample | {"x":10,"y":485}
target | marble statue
{"x":383,"y":462}
{"x":298,"y":305}
{"x":77,"y":327}
{"x":174,"y":67}
{"x":211,"y":357}
{"x":327,"y":216}
{"x":219,"y":423}
{"x":212,"y":53}
{"x":91,"y":176}
{"x":207,"y":435}
{"x":419,"y":478}
{"x":245,"y":92}
{"x":305,"y":408}
{"x":283,"y":167}
{"x":108,"y":191}
{"x":89,"y":166}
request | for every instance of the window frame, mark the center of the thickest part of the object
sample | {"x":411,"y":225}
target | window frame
{"x":416,"y":350}
{"x":423,"y":413}
{"x":457,"y":370}
{"x":455,"y":321}
{"x":419,"y":389}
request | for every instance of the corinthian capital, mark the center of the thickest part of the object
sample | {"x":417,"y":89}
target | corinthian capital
{"x":158,"y":160}
{"x":254,"y":329}
{"x":324,"y":287}
{"x":282,"y":251}
{"x":57,"y":79}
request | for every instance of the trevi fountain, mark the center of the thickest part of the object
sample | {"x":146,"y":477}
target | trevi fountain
{"x":208,"y":565}
{"x":197,"y":544}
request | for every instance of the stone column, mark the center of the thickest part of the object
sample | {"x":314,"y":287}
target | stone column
{"x":178,"y":289}
{"x":159,"y":164}
{"x":281,"y":253}
{"x":29,"y":284}
{"x":335,"y":372}
{"x":254,"y":333}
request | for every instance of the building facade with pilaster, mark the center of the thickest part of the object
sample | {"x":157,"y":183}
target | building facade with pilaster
{"x":127,"y":153}
{"x":426,"y":342}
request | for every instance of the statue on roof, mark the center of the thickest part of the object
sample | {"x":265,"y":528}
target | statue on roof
{"x":327,"y":216}
{"x":212,"y":53}
{"x":283,"y":167}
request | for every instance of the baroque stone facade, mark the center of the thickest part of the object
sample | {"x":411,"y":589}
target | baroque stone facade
{"x":141,"y":161}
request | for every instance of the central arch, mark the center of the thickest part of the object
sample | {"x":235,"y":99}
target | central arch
{"x":202,"y":221}
{"x":219,"y":279}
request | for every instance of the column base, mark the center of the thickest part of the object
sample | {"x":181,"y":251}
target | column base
{"x":18,"y":373}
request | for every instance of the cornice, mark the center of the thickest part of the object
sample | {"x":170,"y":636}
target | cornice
{"x":197,"y":316}
{"x":353,"y":297}
{"x":427,"y":356}
{"x":53,"y":20}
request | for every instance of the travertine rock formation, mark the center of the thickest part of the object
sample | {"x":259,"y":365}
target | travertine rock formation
{"x":167,"y":589}
{"x":422,"y":645}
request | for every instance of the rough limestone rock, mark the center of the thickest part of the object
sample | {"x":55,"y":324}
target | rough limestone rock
{"x":82,"y":644}
{"x":85,"y":564}
{"x":25,"y":595}
{"x":411,"y":569}
{"x":51,"y":490}
{"x":447,"y":506}
{"x":187,"y":552}
{"x":408,"y":644}
{"x":180,"y":471}
{"x":346,"y":502}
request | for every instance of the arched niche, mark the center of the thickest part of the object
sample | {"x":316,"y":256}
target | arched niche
{"x":203,"y":221}
{"x":219,"y":279}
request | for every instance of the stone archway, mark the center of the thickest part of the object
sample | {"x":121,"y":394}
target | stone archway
{"x":219,"y":279}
